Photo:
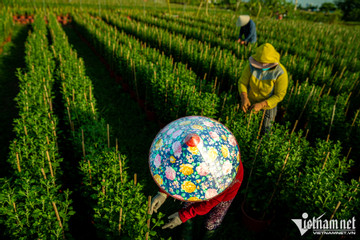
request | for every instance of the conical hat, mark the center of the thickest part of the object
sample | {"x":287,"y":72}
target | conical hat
{"x":242,"y":20}
{"x":194,"y":158}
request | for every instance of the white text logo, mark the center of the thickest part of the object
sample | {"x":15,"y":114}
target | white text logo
{"x":324,"y":226}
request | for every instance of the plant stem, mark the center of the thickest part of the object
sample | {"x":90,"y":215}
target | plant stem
{"x":120,"y":216}
{"x":347,"y":156}
{"x":148,"y":221}
{"x":14,"y":206}
{"x":51,"y":170}
{"x":277,"y":182}
{"x":327,"y":155}
{"x":18,"y":162}
{"x":103,"y":187}
{"x":25,"y":130}
{"x":43,"y":173}
{"x":332,"y":118}
{"x":93,"y":110}
{"x":261,"y":123}
{"x":355,"y":190}
{"x":307,"y":132}
{"x":249,"y":121}
{"x":108,"y":134}
{"x":58,"y":218}
{"x":356,"y":115}
{"x":83,"y":143}
{"x":90,"y":172}
{"x":120,"y":168}
{"x":252,"y":167}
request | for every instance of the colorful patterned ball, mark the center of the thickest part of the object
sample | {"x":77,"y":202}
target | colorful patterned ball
{"x":194,"y":158}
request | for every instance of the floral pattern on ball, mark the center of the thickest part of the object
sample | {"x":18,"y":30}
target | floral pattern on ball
{"x":194,"y":158}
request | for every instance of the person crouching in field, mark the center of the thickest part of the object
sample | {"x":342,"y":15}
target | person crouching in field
{"x":263,"y":83}
{"x":214,"y":209}
{"x":247,"y":31}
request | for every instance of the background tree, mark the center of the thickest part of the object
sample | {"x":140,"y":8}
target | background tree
{"x":327,"y":7}
{"x":350,"y":8}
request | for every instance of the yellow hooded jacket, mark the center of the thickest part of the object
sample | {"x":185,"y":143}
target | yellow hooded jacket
{"x":270,"y":85}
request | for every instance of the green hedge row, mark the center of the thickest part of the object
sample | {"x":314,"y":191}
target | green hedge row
{"x":33,"y":203}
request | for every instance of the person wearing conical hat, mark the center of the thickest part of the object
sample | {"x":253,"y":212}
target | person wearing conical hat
{"x":196,"y":160}
{"x":247,"y":30}
{"x":263,"y":83}
{"x":214,"y":209}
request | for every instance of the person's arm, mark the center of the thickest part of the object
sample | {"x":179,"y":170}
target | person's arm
{"x":244,"y":79}
{"x":252,"y":31}
{"x":241,"y":33}
{"x":280,"y":89}
{"x":243,"y":86}
{"x":199,"y":208}
{"x":202,"y":208}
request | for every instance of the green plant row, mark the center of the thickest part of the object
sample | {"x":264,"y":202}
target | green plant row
{"x":319,"y":112}
{"x":285,"y":176}
{"x":183,"y":20}
{"x":120,"y":207}
{"x":230,"y":68}
{"x":6,"y":24}
{"x":323,"y":116}
{"x":273,"y":151}
{"x":205,"y":60}
{"x":325,"y":42}
{"x":171,"y":94}
{"x":215,"y":40}
{"x":320,"y":120}
{"x":312,"y":68}
{"x":33,"y":203}
{"x":152,"y":55}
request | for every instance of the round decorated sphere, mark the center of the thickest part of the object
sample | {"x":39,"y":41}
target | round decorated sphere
{"x":194,"y":158}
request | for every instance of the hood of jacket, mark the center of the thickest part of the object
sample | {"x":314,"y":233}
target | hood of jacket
{"x":266,"y":54}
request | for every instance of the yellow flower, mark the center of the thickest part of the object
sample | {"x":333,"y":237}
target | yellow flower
{"x":194,"y":199}
{"x":188,"y":186}
{"x":172,"y":159}
{"x":212,"y":154}
{"x":198,"y":127}
{"x":186,"y":169}
{"x":194,"y":150}
{"x":158,"y":179}
{"x":159,"y":144}
{"x":225,"y":151}
{"x":223,"y":137}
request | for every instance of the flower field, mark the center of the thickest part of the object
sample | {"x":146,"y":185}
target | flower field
{"x":76,"y":163}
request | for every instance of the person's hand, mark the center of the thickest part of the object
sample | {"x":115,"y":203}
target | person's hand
{"x":242,"y":42}
{"x":174,"y":221}
{"x":245,"y":102}
{"x":157,"y":201}
{"x":239,"y":40}
{"x":258,"y":106}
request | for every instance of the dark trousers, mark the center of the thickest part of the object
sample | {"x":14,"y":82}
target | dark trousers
{"x":269,"y":117}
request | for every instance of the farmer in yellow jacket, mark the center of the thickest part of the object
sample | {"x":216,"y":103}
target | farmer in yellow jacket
{"x":263,"y":83}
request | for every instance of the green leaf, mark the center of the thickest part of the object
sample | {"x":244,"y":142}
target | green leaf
{"x":70,"y":213}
